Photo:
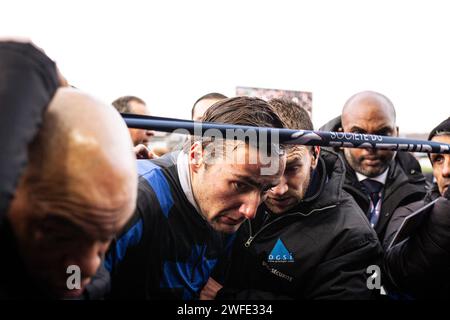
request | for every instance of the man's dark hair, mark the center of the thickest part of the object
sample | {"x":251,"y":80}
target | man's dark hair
{"x":208,"y":96}
{"x":243,"y":110}
{"x":442,"y":129}
{"x":292,"y":114}
{"x":122,"y":103}
{"x":247,"y":111}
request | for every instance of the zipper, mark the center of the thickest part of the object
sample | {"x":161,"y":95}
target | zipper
{"x":251,"y":238}
{"x":249,"y":241}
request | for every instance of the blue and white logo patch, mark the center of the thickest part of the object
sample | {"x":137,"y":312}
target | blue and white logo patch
{"x":280,"y":253}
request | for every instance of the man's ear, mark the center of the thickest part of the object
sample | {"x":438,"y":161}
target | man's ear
{"x":315,"y":156}
{"x":195,"y":156}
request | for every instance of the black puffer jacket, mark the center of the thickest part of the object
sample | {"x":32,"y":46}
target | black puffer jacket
{"x":319,"y":250}
{"x":404,"y":184}
{"x":401,"y":213}
{"x":419,"y":266}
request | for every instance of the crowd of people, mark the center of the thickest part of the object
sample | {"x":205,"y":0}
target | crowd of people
{"x":89,"y":211}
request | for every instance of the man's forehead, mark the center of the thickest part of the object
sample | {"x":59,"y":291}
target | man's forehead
{"x":139,"y":108}
{"x":239,"y":150}
{"x":246,"y":169}
{"x":368,"y":113}
{"x":445,"y":138}
{"x":256,"y":179}
{"x":80,"y":230}
{"x":368,"y":124}
{"x":59,"y":222}
{"x":297,"y":153}
{"x":62,"y":215}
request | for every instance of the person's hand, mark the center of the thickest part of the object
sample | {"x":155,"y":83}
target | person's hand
{"x":210,"y":290}
{"x":143,"y":152}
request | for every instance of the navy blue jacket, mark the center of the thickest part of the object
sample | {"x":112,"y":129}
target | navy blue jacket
{"x":167,"y":250}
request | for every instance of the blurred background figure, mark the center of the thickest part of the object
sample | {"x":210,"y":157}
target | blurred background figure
{"x":163,"y":143}
{"x":203,"y":103}
{"x":140,"y":137}
{"x":135,"y":105}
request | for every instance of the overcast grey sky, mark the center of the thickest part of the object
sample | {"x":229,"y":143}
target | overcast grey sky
{"x":173,"y":51}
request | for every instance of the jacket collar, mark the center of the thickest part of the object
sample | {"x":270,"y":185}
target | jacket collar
{"x":330,"y":176}
{"x":403,"y":168}
{"x":432,"y":193}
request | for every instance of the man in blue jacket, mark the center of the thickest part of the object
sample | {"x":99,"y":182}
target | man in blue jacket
{"x":189,"y":203}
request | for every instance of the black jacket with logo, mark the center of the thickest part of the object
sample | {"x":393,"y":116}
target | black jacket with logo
{"x":418,"y":267}
{"x":319,"y":250}
{"x":404,"y":184}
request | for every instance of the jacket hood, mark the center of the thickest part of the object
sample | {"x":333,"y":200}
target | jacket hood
{"x":332,"y":125}
{"x":432,"y":193}
{"x":331,"y":170}
{"x":403,"y":168}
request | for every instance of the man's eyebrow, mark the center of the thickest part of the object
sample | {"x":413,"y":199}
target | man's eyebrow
{"x":252,"y":182}
{"x":434,"y":155}
{"x":384,"y":129}
{"x":356,"y":128}
{"x":293,"y":160}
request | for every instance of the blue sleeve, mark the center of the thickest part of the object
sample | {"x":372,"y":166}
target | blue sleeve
{"x":131,"y":237}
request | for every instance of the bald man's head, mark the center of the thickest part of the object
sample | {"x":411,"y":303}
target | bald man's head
{"x":78,"y":190}
{"x":360,"y":100}
{"x":369,"y":112}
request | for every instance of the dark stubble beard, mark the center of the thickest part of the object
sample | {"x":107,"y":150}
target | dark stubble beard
{"x":370,"y":172}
